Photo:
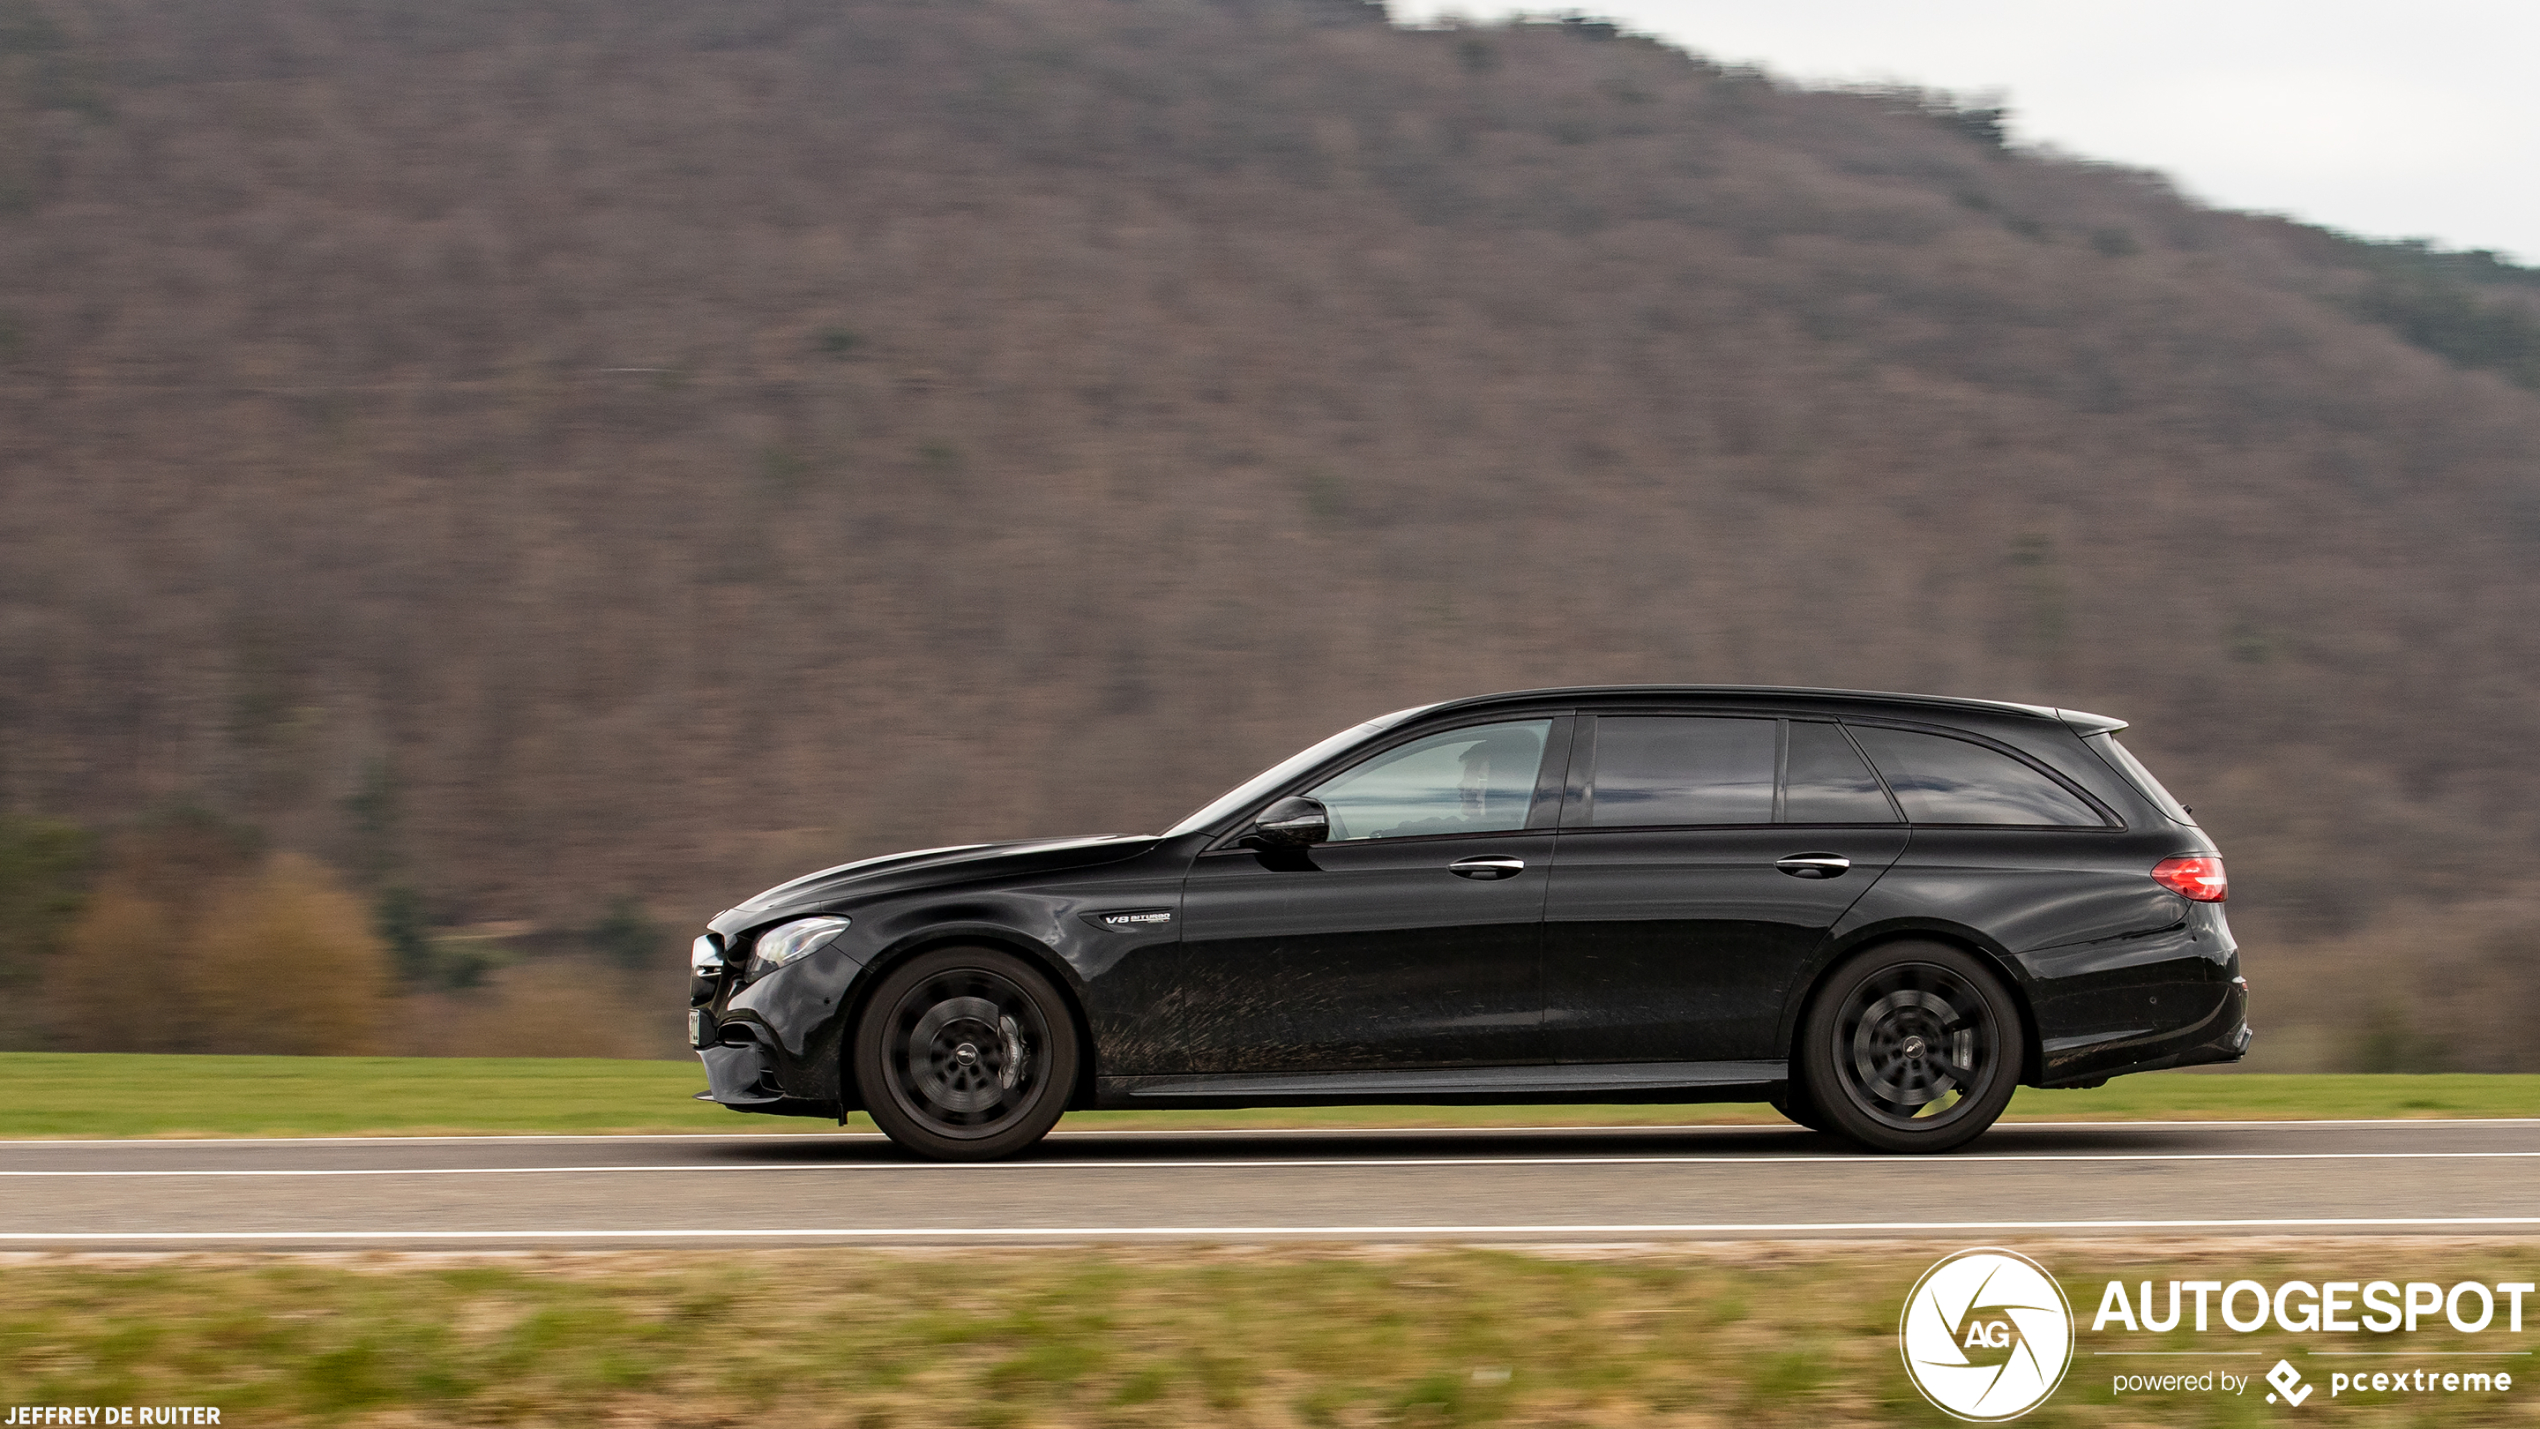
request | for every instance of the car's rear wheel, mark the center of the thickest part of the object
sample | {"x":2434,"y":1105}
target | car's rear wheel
{"x":965,"y":1054}
{"x":1912,"y":1046}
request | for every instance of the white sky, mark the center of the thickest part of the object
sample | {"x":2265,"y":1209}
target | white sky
{"x":2391,"y":121}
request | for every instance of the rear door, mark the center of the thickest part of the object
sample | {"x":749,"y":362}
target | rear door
{"x":1703,"y":859}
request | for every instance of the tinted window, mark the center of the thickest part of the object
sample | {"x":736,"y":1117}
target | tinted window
{"x":1827,"y":783}
{"x":1684,"y":770}
{"x":1475,"y":780}
{"x":2144,"y":783}
{"x":1950,"y":781}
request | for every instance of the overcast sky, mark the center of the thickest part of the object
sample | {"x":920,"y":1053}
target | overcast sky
{"x":2391,"y":121}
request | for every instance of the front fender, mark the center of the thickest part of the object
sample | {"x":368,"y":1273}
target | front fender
{"x":809,"y":1010}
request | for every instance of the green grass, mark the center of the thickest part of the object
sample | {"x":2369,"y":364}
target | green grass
{"x":1293,"y":1337}
{"x":114,"y":1094}
{"x":2278,"y":1097}
{"x":105,"y":1094}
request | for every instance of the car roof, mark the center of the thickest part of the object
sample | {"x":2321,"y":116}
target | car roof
{"x":2081,"y":720}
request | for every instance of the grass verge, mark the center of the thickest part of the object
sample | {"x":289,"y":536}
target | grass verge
{"x":110,"y":1095}
{"x":1738,"y":1335}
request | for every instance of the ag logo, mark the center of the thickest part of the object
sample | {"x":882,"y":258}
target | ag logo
{"x":1987,"y":1335}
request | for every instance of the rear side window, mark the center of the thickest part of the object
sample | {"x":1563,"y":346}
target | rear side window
{"x":2140,"y":777}
{"x":1941,"y":780}
{"x":1669,"y":769}
{"x":1827,"y":783}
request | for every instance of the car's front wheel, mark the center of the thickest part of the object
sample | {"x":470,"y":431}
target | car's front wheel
{"x":1795,"y":1103}
{"x":1912,"y":1046}
{"x":965,"y":1054}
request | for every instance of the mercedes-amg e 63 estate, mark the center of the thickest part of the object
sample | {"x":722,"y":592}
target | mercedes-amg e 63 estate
{"x":1880,"y":913}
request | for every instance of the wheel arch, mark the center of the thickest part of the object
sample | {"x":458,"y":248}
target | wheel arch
{"x":1032,"y":951}
{"x":1984,"y":950}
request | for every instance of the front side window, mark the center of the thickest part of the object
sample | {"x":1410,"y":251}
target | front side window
{"x":1941,"y":780}
{"x":1480,"y":779}
{"x":1677,"y":769}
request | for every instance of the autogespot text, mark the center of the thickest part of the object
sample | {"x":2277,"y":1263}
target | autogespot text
{"x":2329,"y":1307}
{"x":2378,"y":1307}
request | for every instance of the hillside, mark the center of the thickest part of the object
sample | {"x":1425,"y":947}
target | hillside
{"x":562,"y":451}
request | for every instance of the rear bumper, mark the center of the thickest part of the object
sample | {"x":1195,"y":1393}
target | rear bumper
{"x":2224,"y":1036}
{"x":2231,"y":1038}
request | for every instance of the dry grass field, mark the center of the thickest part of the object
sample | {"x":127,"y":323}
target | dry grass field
{"x":1621,"y":1336}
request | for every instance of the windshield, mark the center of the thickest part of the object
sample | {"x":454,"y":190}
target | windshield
{"x":1260,"y":785}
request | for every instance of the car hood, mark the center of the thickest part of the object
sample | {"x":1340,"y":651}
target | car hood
{"x":923,"y":868}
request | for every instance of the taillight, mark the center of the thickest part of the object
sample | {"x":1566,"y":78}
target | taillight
{"x":2200,"y":878}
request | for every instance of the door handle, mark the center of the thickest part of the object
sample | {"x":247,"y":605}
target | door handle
{"x":1493,"y":866}
{"x":1813,"y":865}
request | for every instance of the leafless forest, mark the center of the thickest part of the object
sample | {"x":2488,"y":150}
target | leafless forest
{"x":531,"y":473}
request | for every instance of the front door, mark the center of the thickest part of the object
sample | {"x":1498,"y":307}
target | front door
{"x":1703,"y":861}
{"x":1411,"y":938}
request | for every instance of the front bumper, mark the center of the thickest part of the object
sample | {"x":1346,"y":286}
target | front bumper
{"x":740,"y":1074}
{"x":775,"y":1044}
{"x":745,"y":1078}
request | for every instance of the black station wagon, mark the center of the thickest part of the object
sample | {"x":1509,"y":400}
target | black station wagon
{"x":1878,"y":912}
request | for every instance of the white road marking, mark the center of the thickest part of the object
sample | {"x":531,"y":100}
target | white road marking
{"x":1271,"y":1163}
{"x":1774,"y":1128}
{"x":1328,"y":1232}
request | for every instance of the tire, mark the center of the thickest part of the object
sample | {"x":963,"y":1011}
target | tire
{"x":1796,"y":1104}
{"x":1913,"y":1047}
{"x":965,"y":1054}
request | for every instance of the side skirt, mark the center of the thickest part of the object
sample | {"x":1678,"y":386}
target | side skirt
{"x":1456,"y":1086}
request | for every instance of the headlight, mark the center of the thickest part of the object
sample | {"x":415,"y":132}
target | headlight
{"x":706,"y":954}
{"x":793,"y":942}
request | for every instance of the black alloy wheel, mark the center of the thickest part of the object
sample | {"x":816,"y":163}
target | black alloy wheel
{"x":1912,"y":1046}
{"x":965,"y":1054}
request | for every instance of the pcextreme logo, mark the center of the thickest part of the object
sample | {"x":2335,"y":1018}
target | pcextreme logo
{"x":1987,"y":1335}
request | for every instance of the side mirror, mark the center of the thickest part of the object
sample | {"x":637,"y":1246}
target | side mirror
{"x":1292,"y":822}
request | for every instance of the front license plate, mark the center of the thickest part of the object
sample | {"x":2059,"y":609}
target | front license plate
{"x":700,"y":1028}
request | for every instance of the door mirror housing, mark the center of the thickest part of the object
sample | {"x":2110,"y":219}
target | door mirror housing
{"x":1292,"y":822}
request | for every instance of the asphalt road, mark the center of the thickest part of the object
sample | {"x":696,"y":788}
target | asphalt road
{"x":1545,"y":1185}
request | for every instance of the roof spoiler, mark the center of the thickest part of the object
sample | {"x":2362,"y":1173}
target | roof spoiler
{"x":2088,"y":724}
